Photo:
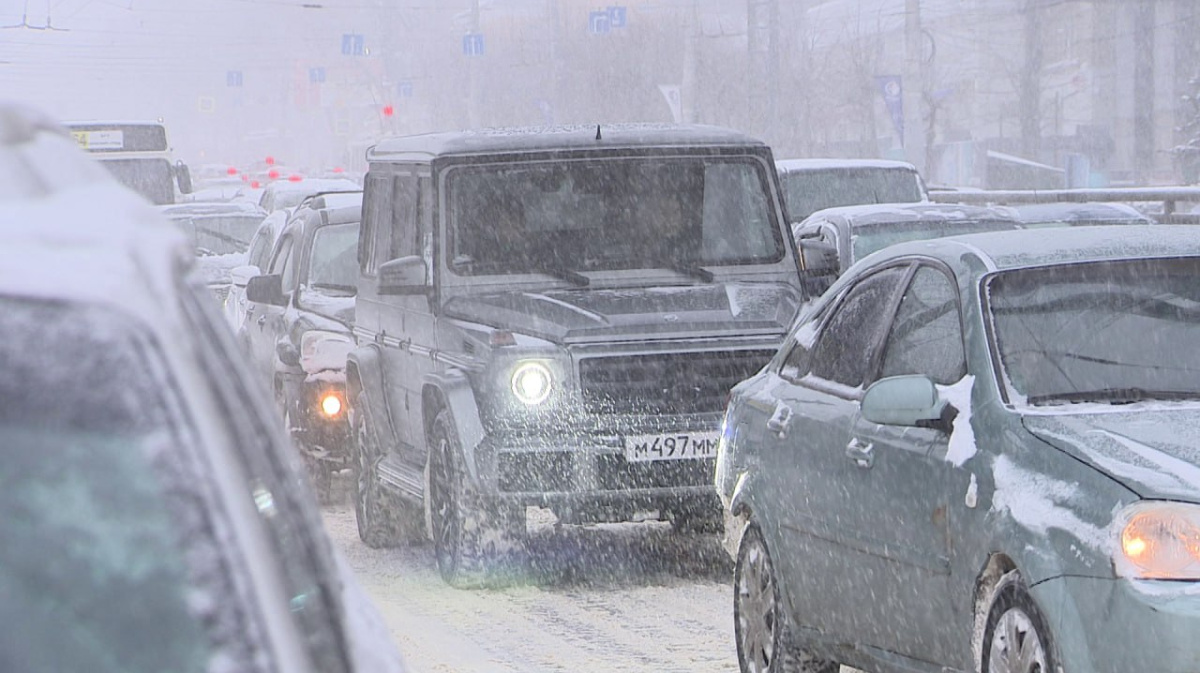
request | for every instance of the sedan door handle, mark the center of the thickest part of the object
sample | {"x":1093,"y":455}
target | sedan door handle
{"x":262,"y":319}
{"x":778,"y":422}
{"x":862,"y":454}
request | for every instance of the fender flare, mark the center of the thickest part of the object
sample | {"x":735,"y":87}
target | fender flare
{"x":452,"y":391}
{"x":364,"y":374}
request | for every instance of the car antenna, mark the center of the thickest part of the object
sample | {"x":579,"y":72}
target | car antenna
{"x":598,"y":132}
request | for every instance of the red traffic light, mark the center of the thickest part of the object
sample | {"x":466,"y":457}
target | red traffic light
{"x":388,"y":110}
{"x":270,"y":161}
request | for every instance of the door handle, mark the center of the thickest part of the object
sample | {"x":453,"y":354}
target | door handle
{"x":262,"y":319}
{"x":863,"y":455}
{"x":778,"y":422}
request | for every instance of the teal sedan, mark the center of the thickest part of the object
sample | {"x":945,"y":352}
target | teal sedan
{"x":977,"y":453}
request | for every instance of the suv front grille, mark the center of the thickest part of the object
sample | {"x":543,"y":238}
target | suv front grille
{"x":665,"y":383}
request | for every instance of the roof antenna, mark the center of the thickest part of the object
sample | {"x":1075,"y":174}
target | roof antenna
{"x":598,"y":132}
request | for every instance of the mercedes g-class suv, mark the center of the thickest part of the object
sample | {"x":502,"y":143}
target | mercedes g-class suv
{"x":554,"y":317}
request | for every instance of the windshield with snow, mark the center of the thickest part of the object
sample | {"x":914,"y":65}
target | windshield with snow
{"x":808,"y":191}
{"x":152,"y":178}
{"x":103,"y":562}
{"x":867,"y":239}
{"x":219,"y":234}
{"x":333,"y":264}
{"x":1114,"y":332}
{"x":627,"y":213}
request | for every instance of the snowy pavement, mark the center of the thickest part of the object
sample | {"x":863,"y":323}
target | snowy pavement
{"x":614,"y":597}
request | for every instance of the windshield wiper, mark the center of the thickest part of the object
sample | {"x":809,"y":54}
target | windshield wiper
{"x":1115,"y":396}
{"x":693,"y":270}
{"x":334,"y":286}
{"x":573,"y":277}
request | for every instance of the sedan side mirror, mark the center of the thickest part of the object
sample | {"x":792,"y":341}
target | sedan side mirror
{"x":405,"y":275}
{"x":240,"y":275}
{"x":907,"y":400}
{"x":287,"y":353}
{"x":266,"y":290}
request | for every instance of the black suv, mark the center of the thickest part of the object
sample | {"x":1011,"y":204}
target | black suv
{"x":555,"y":318}
{"x":297,"y":327}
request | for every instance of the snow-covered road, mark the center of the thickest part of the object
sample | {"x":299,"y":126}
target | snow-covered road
{"x":628,"y":597}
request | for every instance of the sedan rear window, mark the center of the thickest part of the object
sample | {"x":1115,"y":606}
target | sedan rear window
{"x":96,"y":500}
{"x":1110,"y":332}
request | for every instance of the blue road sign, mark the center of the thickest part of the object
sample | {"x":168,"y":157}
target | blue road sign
{"x":404,"y":89}
{"x":599,"y":23}
{"x":617,"y":17}
{"x":233,"y":78}
{"x":316,"y":75}
{"x":473,"y":44}
{"x":352,"y":44}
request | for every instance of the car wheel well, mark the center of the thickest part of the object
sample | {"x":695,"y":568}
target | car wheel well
{"x":998,"y":565}
{"x":353,"y":381}
{"x":432,"y":403}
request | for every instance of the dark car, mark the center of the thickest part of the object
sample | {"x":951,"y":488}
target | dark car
{"x":221,"y":234}
{"x":1077,"y":214}
{"x":152,"y":517}
{"x":978,"y":453}
{"x":297,"y":327}
{"x":555,"y":318}
{"x":810,"y":185}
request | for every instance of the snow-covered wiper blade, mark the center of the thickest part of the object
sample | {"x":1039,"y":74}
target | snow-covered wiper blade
{"x":573,"y":277}
{"x":693,"y":270}
{"x":1115,"y":396}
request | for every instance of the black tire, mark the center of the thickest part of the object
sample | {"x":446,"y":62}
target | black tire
{"x":1015,"y":629}
{"x":759,"y":622}
{"x":475,"y":545}
{"x":384,"y":520}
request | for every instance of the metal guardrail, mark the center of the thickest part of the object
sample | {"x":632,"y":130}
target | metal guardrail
{"x":1168,"y":196}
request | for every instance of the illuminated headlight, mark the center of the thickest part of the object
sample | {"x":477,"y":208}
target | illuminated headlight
{"x":331,"y":404}
{"x":532,"y":382}
{"x":321,"y":351}
{"x":1158,"y":540}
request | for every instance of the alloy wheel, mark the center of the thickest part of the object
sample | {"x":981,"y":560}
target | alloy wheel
{"x":756,"y":608}
{"x":1016,"y":645}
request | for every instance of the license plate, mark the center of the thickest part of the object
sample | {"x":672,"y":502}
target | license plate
{"x":672,"y":446}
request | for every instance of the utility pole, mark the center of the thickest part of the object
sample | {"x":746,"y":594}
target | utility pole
{"x":473,"y":92}
{"x":1030,"y":83}
{"x":1143,"y":90}
{"x":913,"y":86}
{"x":691,"y":67}
{"x":763,"y":40}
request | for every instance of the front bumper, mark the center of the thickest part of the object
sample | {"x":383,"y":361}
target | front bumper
{"x":323,"y":435}
{"x":1107,"y":625}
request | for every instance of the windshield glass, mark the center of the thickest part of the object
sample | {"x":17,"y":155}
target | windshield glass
{"x":870,"y":238}
{"x":152,"y":178}
{"x":613,"y":214}
{"x":1080,"y":332}
{"x":93,"y":569}
{"x":806,"y":192}
{"x":219,"y":234}
{"x":334,"y":260}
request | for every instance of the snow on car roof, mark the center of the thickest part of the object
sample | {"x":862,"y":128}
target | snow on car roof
{"x":1037,"y":247}
{"x":790,"y":165}
{"x":1068,"y":212}
{"x":549,"y":138}
{"x":885,"y":213}
{"x":214,"y":208}
{"x":314,"y":185}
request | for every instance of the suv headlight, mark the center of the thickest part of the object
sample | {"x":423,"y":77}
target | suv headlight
{"x":1158,"y":540}
{"x":322,"y":351}
{"x":531,"y":382}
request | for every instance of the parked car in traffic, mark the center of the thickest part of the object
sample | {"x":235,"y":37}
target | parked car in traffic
{"x":1076,"y":214}
{"x":810,"y":185}
{"x":555,"y":318}
{"x":977,"y":453}
{"x":297,"y":327}
{"x":151,"y":516}
{"x":831,"y":240}
{"x":288,"y":193}
{"x":221,"y":234}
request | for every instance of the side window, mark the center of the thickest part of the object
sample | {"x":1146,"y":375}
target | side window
{"x":426,"y":207}
{"x":926,"y":336}
{"x":406,"y":228}
{"x":284,"y":263}
{"x":375,"y":234}
{"x":843,"y":350}
{"x":798,"y":362}
{"x":260,"y":248}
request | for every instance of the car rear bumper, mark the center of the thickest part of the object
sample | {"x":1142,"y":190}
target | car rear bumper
{"x":1107,"y":625}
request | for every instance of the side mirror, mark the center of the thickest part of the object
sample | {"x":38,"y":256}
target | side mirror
{"x":819,"y":255}
{"x":240,"y":275}
{"x":405,"y":275}
{"x":183,"y":177}
{"x":907,"y":400}
{"x":287,"y":353}
{"x":266,"y":290}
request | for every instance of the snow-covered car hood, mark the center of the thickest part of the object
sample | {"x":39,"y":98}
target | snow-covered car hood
{"x":338,"y":309}
{"x":214,"y":269}
{"x":1152,"y":450}
{"x":566,"y":316}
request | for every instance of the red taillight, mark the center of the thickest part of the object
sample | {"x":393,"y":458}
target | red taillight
{"x":231,"y":170}
{"x":294,"y":178}
{"x":273,"y":174}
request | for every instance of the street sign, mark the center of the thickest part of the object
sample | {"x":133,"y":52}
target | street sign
{"x":316,"y":75}
{"x":233,"y":78}
{"x":599,"y":23}
{"x":404,"y":89}
{"x":352,"y":44}
{"x":617,"y":17}
{"x":472,"y":44}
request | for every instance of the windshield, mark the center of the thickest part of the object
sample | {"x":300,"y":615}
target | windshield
{"x":94,"y":571}
{"x":333,"y":263}
{"x":867,"y":239}
{"x":219,"y":234}
{"x":152,"y":178}
{"x":806,"y":192}
{"x":1099,"y":331}
{"x":620,"y":213}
